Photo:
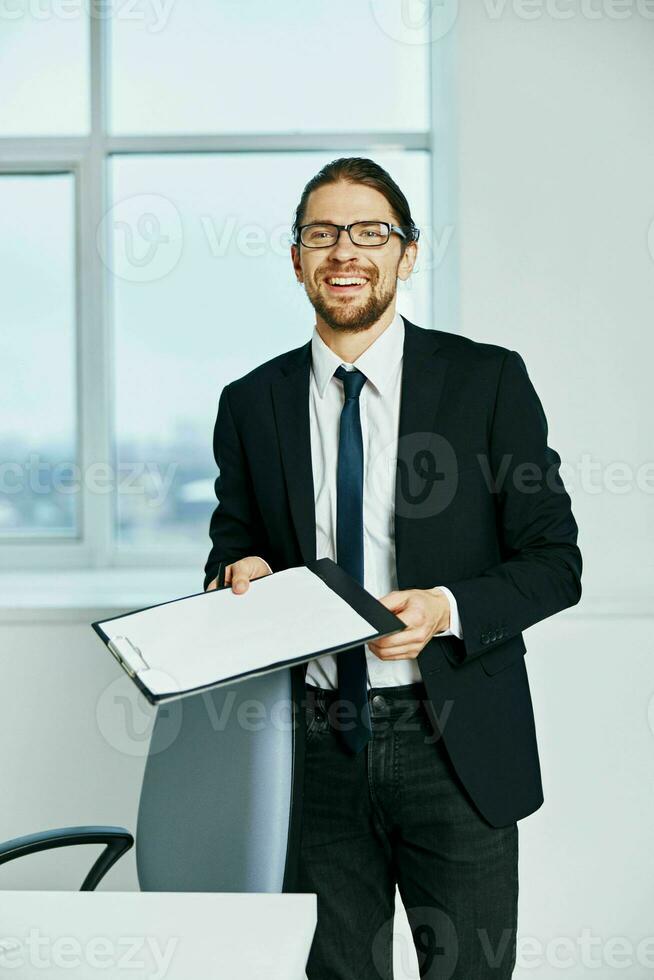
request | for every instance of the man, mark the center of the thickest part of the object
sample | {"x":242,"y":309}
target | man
{"x":417,"y":459}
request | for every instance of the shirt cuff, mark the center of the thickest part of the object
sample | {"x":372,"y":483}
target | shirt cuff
{"x":455,"y":622}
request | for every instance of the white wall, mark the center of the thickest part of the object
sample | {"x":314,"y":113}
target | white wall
{"x":555,"y":206}
{"x":74,"y":732}
{"x":556,"y":200}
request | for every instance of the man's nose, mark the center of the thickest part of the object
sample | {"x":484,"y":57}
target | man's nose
{"x":343,"y":248}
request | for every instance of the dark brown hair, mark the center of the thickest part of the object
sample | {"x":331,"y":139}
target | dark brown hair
{"x":360,"y":170}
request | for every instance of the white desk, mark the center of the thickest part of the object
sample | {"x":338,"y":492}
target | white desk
{"x":158,"y":935}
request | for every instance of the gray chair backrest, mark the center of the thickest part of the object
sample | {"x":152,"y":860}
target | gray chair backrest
{"x":217,"y":799}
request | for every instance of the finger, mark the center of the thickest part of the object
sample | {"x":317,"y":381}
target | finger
{"x":388,"y":643}
{"x":240,"y":582}
{"x":404,"y":653}
{"x":212,"y":585}
{"x":409,"y":612}
{"x":237,"y":576}
{"x":395,"y":600}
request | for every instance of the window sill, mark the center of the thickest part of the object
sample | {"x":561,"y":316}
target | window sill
{"x":84,"y":595}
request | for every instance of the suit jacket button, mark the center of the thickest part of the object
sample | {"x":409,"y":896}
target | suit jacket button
{"x":484,"y":638}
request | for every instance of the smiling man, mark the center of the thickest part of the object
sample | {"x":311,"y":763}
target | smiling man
{"x":418,"y":460}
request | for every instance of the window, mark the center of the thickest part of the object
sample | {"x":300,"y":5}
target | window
{"x":38,"y":422}
{"x":54,"y":99}
{"x":261,"y":67}
{"x":149,"y":171}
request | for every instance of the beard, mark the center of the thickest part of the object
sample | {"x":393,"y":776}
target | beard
{"x":353,"y":317}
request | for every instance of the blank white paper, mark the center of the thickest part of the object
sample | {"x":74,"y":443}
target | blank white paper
{"x":207,"y":638}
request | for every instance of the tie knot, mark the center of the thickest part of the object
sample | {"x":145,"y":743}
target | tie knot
{"x":353,"y":381}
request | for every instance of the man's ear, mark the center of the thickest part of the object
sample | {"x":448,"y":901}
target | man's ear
{"x":407,"y":262}
{"x":297,"y":266}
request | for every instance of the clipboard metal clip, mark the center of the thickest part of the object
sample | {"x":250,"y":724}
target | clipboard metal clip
{"x":128,"y":661}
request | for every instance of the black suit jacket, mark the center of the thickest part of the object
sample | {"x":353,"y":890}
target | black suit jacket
{"x":479,"y":507}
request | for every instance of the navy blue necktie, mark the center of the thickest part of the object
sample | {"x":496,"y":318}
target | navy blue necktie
{"x":352,"y":675}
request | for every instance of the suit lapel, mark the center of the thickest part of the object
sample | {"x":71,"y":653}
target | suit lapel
{"x":423,"y":372}
{"x":291,"y":405}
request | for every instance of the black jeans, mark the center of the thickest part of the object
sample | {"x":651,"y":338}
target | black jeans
{"x":397,"y":813}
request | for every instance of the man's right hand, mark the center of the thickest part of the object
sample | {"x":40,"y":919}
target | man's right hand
{"x":240,"y":573}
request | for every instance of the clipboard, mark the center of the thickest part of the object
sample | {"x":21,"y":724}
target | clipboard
{"x":357,"y":609}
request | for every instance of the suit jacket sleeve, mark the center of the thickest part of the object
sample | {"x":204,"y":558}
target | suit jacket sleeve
{"x":236,"y":528}
{"x":540,"y":573}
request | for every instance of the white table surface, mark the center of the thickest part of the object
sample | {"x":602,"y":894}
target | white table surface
{"x":158,"y":935}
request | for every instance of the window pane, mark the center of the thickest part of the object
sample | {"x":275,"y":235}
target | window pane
{"x":37,"y":354}
{"x":202,"y":66}
{"x":204,"y":291}
{"x":44,"y":68}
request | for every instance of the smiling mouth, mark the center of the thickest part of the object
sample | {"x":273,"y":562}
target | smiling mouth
{"x":346,"y":284}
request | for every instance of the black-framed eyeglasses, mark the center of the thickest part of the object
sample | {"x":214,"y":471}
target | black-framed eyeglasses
{"x":369,"y":234}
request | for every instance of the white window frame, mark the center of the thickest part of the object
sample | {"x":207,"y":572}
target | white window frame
{"x":87,"y":158}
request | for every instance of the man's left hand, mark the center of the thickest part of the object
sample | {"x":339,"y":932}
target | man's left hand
{"x":425,"y":612}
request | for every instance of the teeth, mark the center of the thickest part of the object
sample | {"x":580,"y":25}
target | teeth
{"x":338,"y":281}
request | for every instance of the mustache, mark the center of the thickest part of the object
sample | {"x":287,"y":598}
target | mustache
{"x":345,"y":273}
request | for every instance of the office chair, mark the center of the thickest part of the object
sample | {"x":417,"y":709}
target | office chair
{"x":117,"y":839}
{"x":219,"y":806}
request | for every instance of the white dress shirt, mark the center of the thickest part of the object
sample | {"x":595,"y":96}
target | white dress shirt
{"x":379,"y":404}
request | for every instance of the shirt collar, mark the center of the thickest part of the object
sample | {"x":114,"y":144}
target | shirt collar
{"x":377,"y":362}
